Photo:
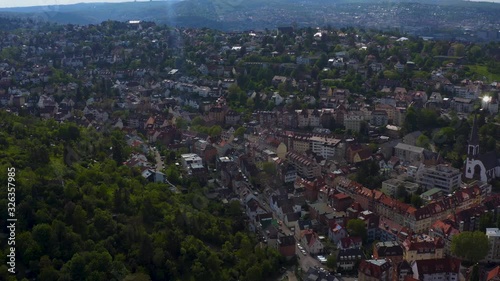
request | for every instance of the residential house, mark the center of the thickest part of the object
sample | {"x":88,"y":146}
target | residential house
{"x":286,"y":246}
{"x":436,"y":269}
{"x":403,"y":272}
{"x":372,"y":222}
{"x":301,"y":225}
{"x":309,"y":188}
{"x":348,"y":259}
{"x":311,"y":242}
{"x":228,"y":135}
{"x":286,"y":172}
{"x":336,"y":233}
{"x":232,"y":117}
{"x":390,"y":250}
{"x":445,"y":230}
{"x":350,"y":242}
{"x":462,"y":105}
{"x":154,"y":176}
{"x":218,"y":114}
{"x":340,"y":201}
{"x":253,"y":209}
{"x":375,"y":270}
{"x":193,"y":164}
{"x":319,"y":211}
{"x":205,"y":150}
{"x":356,"y":153}
{"x":423,"y":247}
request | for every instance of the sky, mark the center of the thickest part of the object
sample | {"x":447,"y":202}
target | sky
{"x":28,"y":3}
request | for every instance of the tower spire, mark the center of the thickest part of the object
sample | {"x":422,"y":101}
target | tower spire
{"x":473,"y":148}
{"x":474,"y":136}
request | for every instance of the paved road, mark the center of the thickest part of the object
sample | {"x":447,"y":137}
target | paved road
{"x":159,"y":168}
{"x":159,"y":162}
{"x":305,"y":261}
{"x":291,"y":276}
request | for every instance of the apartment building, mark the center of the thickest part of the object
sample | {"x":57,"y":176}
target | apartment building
{"x":408,"y":152}
{"x":306,"y":167}
{"x":308,"y":118}
{"x":353,"y":122}
{"x":324,"y":146}
{"x":494,"y":240}
{"x":440,"y":176}
{"x":390,"y":186}
{"x":379,"y":118}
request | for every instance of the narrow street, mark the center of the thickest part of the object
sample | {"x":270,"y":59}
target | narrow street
{"x":160,"y":166}
{"x":305,"y":261}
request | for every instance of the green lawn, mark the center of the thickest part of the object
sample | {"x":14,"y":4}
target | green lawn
{"x":482,"y":70}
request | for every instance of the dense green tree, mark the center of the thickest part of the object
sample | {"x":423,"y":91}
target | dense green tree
{"x":357,"y":227}
{"x":269,"y":168}
{"x":470,"y":246}
{"x":423,"y":141}
{"x":416,"y":201}
{"x":331,"y":262}
{"x":239,"y":132}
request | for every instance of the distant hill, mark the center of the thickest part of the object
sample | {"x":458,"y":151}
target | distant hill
{"x":237,"y":14}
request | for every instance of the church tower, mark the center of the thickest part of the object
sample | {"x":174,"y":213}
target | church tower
{"x":474,"y":167}
{"x":473,"y":147}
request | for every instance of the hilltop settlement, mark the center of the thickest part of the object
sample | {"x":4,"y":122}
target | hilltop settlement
{"x":356,"y":153}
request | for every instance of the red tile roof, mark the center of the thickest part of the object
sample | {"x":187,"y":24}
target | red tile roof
{"x":374,"y":268}
{"x":433,"y":266}
{"x":495,"y":272}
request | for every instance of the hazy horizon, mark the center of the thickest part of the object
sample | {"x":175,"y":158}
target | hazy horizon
{"x":41,"y":3}
{"x":34,"y":3}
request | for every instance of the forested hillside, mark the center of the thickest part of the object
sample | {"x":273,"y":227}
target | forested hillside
{"x":80,"y":216}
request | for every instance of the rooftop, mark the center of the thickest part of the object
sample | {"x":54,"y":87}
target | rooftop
{"x":493,"y":232}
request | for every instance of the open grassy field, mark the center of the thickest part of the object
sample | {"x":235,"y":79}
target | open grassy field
{"x":482,"y":70}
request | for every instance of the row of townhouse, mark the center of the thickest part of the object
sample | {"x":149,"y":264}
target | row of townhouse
{"x":306,"y":167}
{"x":418,"y":220}
{"x":325,"y":146}
{"x":383,"y":269}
